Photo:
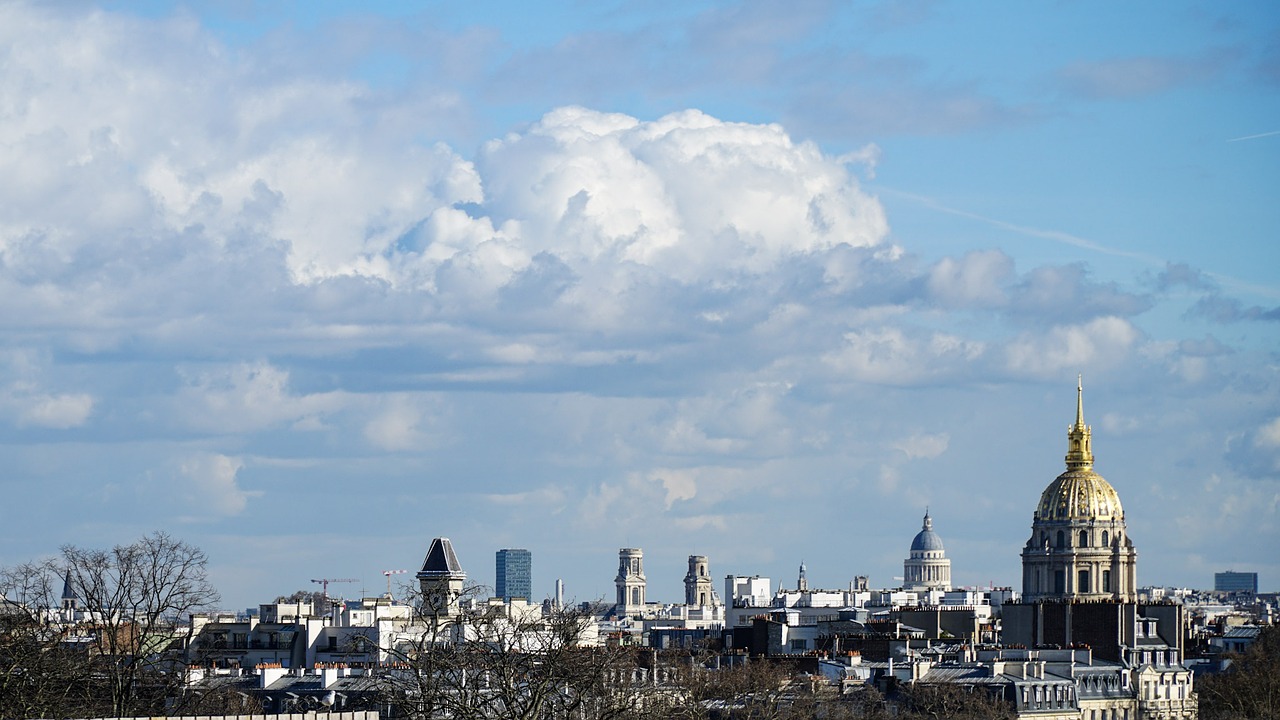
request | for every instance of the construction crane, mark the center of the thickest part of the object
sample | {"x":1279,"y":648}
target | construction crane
{"x":389,"y":573}
{"x":324,"y":583}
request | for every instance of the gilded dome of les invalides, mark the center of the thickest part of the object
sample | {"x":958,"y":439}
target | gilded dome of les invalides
{"x":1079,"y":493}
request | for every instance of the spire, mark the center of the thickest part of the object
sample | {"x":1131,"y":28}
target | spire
{"x":928,"y":521}
{"x":1079,"y":399}
{"x":69,"y":598}
{"x":803,"y":583}
{"x":1079,"y":442}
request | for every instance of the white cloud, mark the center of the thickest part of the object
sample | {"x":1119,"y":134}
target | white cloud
{"x":1268,"y":435}
{"x":892,"y":356}
{"x":977,"y":279}
{"x":403,"y":422}
{"x":54,"y":411}
{"x":924,"y":445}
{"x":1100,"y":343}
{"x":210,"y":484}
{"x":247,"y":397}
{"x":687,"y":194}
{"x":679,"y":485}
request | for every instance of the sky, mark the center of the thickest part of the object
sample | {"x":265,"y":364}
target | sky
{"x":308,"y":284}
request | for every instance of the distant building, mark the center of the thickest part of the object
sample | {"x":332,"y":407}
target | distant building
{"x":630,"y":581}
{"x":514,"y":574}
{"x":1231,"y":581}
{"x":1080,"y":594}
{"x":1079,"y":548}
{"x":441,"y":579}
{"x":927,"y":567}
{"x":698,"y":590}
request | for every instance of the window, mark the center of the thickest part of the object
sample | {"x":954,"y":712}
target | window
{"x":1059,"y":581}
{"x":799,"y":644}
{"x":1062,"y":539}
{"x":1084,"y":538}
{"x":1106,"y":581}
{"x":1083,"y":578}
{"x":1104,"y":539}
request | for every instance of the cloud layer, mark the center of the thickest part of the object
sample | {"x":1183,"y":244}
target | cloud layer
{"x":235,"y":295}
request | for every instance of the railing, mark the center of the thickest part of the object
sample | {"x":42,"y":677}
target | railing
{"x":249,"y":645}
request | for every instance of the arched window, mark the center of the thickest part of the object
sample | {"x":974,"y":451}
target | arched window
{"x":1104,"y":539}
{"x":1084,"y":538}
{"x":1062,"y":539}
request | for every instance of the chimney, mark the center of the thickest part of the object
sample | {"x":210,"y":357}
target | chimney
{"x":268,"y":673}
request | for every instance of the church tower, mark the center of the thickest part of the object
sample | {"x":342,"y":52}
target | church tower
{"x":927,"y":566}
{"x":1079,"y":549}
{"x":697,"y":583}
{"x":630,"y":581}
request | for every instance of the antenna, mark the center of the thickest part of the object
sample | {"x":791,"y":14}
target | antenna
{"x":389,"y":573}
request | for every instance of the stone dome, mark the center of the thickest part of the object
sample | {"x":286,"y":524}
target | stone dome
{"x":1079,"y":494}
{"x":927,"y":540}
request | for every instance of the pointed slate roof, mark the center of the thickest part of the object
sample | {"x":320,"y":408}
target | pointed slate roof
{"x":441,"y":561}
{"x":67,"y":592}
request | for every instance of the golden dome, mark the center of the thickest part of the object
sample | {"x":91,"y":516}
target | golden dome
{"x":1079,"y":494}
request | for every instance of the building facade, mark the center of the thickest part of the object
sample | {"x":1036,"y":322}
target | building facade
{"x":1231,"y":581}
{"x":514,"y":574}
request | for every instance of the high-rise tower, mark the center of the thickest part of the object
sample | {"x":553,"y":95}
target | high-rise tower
{"x":1079,"y":549}
{"x":514,"y":574}
{"x":630,"y":581}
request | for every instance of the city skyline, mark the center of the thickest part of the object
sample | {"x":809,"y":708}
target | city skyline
{"x":309,"y":284}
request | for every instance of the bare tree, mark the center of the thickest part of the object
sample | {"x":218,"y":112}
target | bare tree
{"x":1250,"y":688}
{"x":136,"y":596}
{"x":119,"y":631}
{"x":944,"y":701}
{"x":44,"y":671}
{"x":496,"y":661}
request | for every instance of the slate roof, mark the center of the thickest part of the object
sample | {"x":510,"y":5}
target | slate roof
{"x":441,"y":561}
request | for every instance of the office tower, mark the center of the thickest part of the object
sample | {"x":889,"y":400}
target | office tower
{"x":514,"y":574}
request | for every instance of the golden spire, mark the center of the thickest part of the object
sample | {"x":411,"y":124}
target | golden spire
{"x":1079,"y":443}
{"x":1080,"y":399}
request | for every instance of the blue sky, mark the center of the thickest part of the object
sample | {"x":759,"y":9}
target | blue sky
{"x":308,"y":284}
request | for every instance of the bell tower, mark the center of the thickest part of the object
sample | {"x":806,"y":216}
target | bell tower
{"x":697,"y":583}
{"x":630,"y":581}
